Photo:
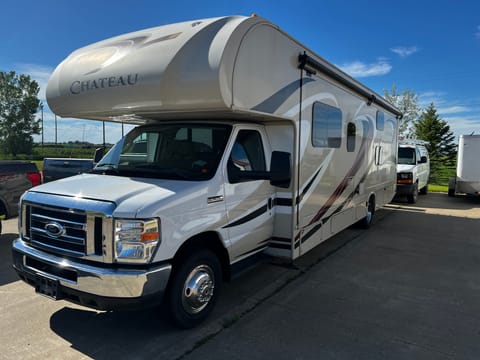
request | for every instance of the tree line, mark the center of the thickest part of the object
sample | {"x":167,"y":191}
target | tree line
{"x":19,"y":105}
{"x":425,"y":124}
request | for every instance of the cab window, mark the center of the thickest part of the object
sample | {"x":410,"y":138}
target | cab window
{"x":247,"y":153}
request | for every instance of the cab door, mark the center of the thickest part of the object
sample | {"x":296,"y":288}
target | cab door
{"x":249,"y":202}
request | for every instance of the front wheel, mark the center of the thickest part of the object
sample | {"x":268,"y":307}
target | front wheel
{"x":413,"y":197}
{"x":194,"y":289}
{"x":424,"y":190}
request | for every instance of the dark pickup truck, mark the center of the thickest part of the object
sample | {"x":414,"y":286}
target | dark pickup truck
{"x":15,"y":178}
{"x":59,"y":168}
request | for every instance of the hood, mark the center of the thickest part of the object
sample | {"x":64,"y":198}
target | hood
{"x":130,"y":195}
{"x":405,"y":168}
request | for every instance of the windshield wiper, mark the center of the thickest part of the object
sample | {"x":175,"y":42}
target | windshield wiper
{"x":150,"y":170}
{"x":105,"y":169}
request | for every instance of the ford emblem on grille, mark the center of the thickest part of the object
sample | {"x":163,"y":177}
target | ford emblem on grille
{"x":54,"y":229}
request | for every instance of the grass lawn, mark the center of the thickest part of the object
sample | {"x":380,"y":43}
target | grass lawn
{"x":437,"y":188}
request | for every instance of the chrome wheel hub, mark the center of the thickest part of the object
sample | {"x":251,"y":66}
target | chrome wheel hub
{"x":198,"y":289}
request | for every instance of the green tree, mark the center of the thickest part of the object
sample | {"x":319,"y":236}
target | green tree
{"x":407,"y":103}
{"x":18,"y":106}
{"x":441,"y":147}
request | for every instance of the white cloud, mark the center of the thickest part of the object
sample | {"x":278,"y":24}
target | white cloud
{"x":403,"y":51}
{"x":462,"y":125}
{"x":39,"y":73}
{"x":455,"y":109}
{"x":435,"y":97}
{"x":461,"y":116}
{"x":359,"y":69}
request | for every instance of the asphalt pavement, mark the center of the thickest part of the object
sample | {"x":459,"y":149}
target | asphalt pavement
{"x":408,"y":288}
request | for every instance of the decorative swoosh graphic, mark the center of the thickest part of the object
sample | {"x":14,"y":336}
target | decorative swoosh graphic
{"x":367,"y":138}
{"x":271,"y":104}
{"x":248,"y":217}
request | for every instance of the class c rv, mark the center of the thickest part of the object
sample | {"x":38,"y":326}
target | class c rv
{"x":247,"y":143}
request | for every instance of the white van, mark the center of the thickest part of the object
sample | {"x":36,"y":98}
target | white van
{"x":413,"y":169}
{"x":249,"y":143}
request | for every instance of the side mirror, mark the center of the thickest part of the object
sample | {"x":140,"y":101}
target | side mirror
{"x":423,"y":160}
{"x":280,"y":169}
{"x":98,"y":154}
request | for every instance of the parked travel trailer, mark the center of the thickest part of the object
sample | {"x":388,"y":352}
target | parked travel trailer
{"x":467,"y":179}
{"x":248,"y":143}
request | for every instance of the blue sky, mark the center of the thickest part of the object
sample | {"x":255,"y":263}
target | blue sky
{"x":431,"y":47}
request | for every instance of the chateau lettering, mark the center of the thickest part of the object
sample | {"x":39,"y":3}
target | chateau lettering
{"x":79,"y":87}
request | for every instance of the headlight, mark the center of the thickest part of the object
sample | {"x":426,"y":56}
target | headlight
{"x":404,"y":178}
{"x":136,"y":240}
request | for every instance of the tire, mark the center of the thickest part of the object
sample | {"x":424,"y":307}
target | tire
{"x":413,"y":197}
{"x":366,"y":222}
{"x":452,"y":184}
{"x":424,"y":190}
{"x":193,"y":289}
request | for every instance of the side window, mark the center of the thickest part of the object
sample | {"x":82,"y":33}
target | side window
{"x":327,"y":126}
{"x":247,"y":153}
{"x":351,"y":136}
{"x":419,"y":156}
{"x":380,"y":120}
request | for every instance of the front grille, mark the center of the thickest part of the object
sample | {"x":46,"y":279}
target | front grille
{"x":68,"y":226}
{"x":72,"y":234}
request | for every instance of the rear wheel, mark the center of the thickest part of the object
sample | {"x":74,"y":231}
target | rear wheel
{"x":194,"y":289}
{"x":451,"y":186}
{"x":366,"y":222}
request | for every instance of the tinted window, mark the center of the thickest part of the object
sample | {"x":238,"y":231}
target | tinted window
{"x":380,"y":120}
{"x":351,"y":136}
{"x":406,"y":156}
{"x":247,"y":152}
{"x":327,"y":126}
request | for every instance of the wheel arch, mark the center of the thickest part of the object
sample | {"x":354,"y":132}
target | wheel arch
{"x":208,"y":240}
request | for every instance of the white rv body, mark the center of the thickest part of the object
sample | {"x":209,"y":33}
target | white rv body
{"x":235,"y":75}
{"x":467,"y":179}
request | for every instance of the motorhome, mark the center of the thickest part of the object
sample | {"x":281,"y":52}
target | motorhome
{"x":467,"y":179}
{"x":248,"y":143}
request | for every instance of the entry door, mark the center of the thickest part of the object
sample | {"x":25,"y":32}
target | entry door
{"x":249,"y":202}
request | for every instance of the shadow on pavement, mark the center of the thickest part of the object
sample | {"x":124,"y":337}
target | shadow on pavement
{"x":441,"y":201}
{"x":7,"y":274}
{"x":113,"y":335}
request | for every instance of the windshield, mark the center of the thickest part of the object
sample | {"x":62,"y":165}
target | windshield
{"x":406,"y":156}
{"x":170,"y":151}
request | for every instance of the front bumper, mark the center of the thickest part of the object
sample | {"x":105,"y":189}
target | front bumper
{"x":405,"y":189}
{"x":100,"y":286}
